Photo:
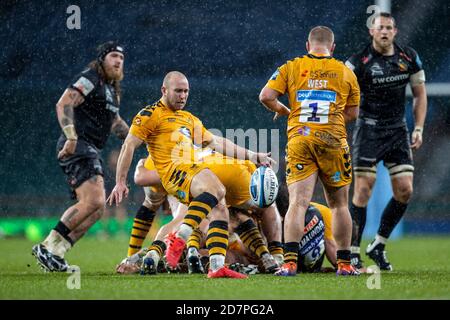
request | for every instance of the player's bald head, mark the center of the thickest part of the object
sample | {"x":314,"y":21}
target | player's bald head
{"x":173,"y":77}
{"x":175,"y":90}
{"x":321,"y":35}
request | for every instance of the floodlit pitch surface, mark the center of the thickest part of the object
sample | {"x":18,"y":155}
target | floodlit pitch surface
{"x":422,"y":271}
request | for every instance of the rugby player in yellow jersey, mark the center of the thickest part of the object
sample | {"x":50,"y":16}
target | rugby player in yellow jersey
{"x":170,"y":134}
{"x":323,"y":95}
{"x":236,"y":183}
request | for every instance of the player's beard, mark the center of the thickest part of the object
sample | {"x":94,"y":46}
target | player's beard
{"x":384,"y":44}
{"x":113,"y":74}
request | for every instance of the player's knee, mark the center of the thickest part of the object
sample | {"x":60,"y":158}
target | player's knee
{"x":138,"y":180}
{"x":362,"y":195}
{"x":220,"y":212}
{"x":403,"y":193}
{"x":96,"y":203}
{"x":217,"y":190}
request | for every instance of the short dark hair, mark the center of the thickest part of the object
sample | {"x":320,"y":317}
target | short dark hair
{"x":384,"y":15}
{"x":321,"y":34}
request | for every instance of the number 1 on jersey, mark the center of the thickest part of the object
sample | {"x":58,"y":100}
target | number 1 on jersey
{"x":315,"y":105}
{"x":313,"y":117}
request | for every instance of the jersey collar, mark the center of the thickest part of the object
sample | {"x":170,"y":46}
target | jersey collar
{"x":318,"y":56}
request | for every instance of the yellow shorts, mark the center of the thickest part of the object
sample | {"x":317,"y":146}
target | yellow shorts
{"x":306,"y":155}
{"x":149,"y":165}
{"x":234,"y":174}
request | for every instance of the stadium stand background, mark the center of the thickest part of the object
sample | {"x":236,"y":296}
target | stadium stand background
{"x":228,"y":49}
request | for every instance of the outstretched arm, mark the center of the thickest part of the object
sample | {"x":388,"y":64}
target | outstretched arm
{"x":228,"y":148}
{"x":123,"y":165}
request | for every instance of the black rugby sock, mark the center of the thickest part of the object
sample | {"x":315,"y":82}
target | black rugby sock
{"x":359,"y":215}
{"x":392,"y":214}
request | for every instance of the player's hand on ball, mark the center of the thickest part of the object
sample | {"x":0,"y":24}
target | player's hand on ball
{"x":119,"y":192}
{"x":68,"y":149}
{"x":261,"y":159}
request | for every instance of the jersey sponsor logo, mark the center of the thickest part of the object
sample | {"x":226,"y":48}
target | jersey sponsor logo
{"x":376,"y":70}
{"x":321,"y":95}
{"x":313,"y":238}
{"x":399,"y":77}
{"x":322,"y":74}
{"x":84,"y":85}
{"x":304,"y":131}
{"x":110,"y":101}
{"x":311,"y":224}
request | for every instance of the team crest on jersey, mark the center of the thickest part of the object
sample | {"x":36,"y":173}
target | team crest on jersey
{"x":275,"y":75}
{"x":402,"y":66}
{"x":137,"y":121}
{"x":376,"y":70}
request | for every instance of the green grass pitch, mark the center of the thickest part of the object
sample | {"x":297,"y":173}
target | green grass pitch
{"x":422,"y":271}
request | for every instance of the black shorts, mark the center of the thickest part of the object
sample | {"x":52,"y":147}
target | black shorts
{"x":372,"y":144}
{"x":82,"y":165}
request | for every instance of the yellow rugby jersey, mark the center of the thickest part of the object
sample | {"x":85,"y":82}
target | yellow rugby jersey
{"x":319,"y":88}
{"x":327,"y":219}
{"x":170,"y":135}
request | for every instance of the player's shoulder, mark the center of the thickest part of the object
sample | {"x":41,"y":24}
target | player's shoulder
{"x":89,"y":74}
{"x":406,"y":51}
{"x":294,"y":61}
{"x":155,"y":107}
{"x":361,"y":57}
{"x":85,"y":81}
{"x":410,"y":55}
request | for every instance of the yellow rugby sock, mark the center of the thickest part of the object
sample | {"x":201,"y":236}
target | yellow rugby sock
{"x":141,"y":226}
{"x":217,"y":238}
{"x":251,"y":237}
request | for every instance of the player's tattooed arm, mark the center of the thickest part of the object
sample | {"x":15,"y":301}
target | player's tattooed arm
{"x":64,"y":108}
{"x":64,"y":111}
{"x":120,"y":128}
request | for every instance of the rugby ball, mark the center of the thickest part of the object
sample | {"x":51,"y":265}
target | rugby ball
{"x":263,"y":187}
